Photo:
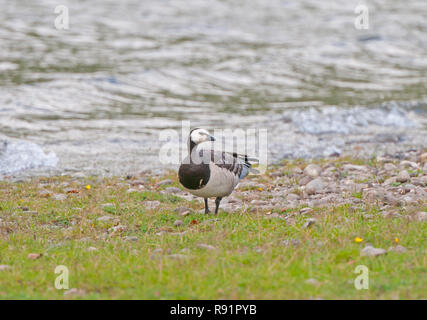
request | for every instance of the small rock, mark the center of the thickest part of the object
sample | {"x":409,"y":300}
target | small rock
{"x":406,"y":163}
{"x":104,"y":218}
{"x":403,"y":176}
{"x":74,"y":292}
{"x":131,"y":190}
{"x":173,"y":190}
{"x":304,"y":180}
{"x":185,"y":250}
{"x":178,"y":223}
{"x":390,"y":167}
{"x":312,"y":281}
{"x":151,"y":204}
{"x":309,"y":222}
{"x":164,"y":182}
{"x":314,"y":186}
{"x":293,"y":242}
{"x":206,"y":246}
{"x":353,"y":167}
{"x":306,"y":211}
{"x":293,"y":197}
{"x":312,"y":170}
{"x":59,"y":196}
{"x":92,"y":249}
{"x":131,"y":238}
{"x":423,"y":157}
{"x":370,"y":251}
{"x":34,"y":256}
{"x":183,"y":210}
{"x":108,"y":206}
{"x":398,"y":249}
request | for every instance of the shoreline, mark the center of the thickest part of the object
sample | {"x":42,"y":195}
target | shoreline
{"x":296,"y":232}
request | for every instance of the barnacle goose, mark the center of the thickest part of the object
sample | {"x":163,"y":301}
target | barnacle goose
{"x":210,"y":173}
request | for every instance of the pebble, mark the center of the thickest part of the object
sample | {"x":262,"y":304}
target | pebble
{"x":206,"y":246}
{"x":34,"y":256}
{"x":151,"y":204}
{"x":104,"y":218}
{"x":314,"y":186}
{"x":172,"y":190}
{"x":59,"y":196}
{"x":398,"y":249}
{"x":304,"y":180}
{"x":164,"y":182}
{"x":293,"y":197}
{"x":411,"y":164}
{"x":92,"y":249}
{"x":353,"y":167}
{"x":403,"y":176}
{"x":370,"y":251}
{"x":390,"y":167}
{"x":131,"y":238}
{"x":306,"y":211}
{"x":74,"y":292}
{"x":312,"y":281}
{"x":293,"y":242}
{"x":312,"y":170}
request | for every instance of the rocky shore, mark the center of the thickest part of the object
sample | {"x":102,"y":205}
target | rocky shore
{"x":388,"y":182}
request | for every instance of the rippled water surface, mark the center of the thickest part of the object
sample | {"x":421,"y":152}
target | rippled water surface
{"x":94,"y":98}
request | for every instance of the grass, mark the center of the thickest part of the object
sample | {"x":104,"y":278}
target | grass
{"x":250,"y":260}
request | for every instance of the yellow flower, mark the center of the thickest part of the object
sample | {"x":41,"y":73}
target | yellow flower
{"x":396,"y":240}
{"x":88,"y":187}
{"x":358,"y":240}
{"x":260,"y":189}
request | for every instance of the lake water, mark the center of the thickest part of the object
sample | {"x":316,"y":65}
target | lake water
{"x":95,"y":97}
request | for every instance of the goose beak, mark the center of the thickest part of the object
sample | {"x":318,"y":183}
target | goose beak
{"x":212,"y":138}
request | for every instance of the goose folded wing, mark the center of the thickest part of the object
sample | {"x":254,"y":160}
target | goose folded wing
{"x":233,"y":162}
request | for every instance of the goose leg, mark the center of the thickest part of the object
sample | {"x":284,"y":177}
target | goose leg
{"x":217,"y":201}
{"x":206,"y":206}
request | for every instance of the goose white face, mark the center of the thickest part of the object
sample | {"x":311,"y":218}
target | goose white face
{"x":200,"y":135}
